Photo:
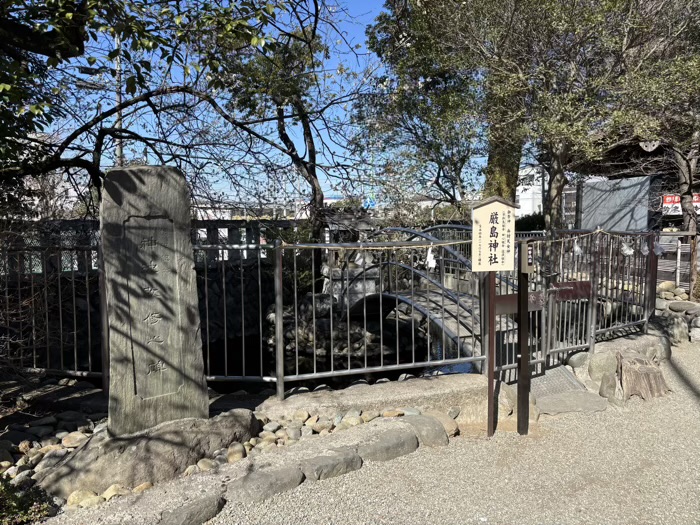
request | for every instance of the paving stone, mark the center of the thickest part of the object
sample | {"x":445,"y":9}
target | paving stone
{"x":263,"y":484}
{"x":388,"y":445}
{"x":448,"y":424}
{"x":200,"y":509}
{"x":571,"y":402}
{"x":335,"y":463}
{"x":429,"y":430}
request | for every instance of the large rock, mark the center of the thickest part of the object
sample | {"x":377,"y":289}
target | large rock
{"x":448,"y":424}
{"x":156,"y":454}
{"x":16,"y":437}
{"x":601,"y":363}
{"x":694,"y":334}
{"x":578,"y":360}
{"x":608,"y":387}
{"x":666,"y":286}
{"x":674,"y":326}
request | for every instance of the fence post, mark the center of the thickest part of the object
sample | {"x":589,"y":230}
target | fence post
{"x":279,"y":328}
{"x":652,"y":274}
{"x":523,"y":343}
{"x":679,"y":244}
{"x":593,"y":299}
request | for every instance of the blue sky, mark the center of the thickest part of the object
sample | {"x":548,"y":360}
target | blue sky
{"x":364,"y":12}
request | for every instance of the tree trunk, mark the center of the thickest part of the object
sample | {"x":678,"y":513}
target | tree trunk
{"x":506,"y":140}
{"x":553,"y":217}
{"x":639,"y":377}
{"x":503,"y":165}
{"x":307,"y":169}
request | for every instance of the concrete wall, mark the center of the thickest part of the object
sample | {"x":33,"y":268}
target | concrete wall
{"x":620,"y":205}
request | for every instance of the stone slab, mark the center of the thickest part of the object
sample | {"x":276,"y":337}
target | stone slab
{"x":571,"y":402}
{"x":336,"y":463}
{"x":467,"y":391}
{"x":263,"y":484}
{"x":555,"y":381}
{"x":196,"y":511}
{"x":155,"y":351}
{"x":681,"y":306}
{"x":388,"y":445}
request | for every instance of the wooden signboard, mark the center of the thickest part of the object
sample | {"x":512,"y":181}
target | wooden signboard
{"x":493,"y":250}
{"x":493,"y":239}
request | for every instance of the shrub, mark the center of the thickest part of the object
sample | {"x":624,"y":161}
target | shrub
{"x":18,"y":507}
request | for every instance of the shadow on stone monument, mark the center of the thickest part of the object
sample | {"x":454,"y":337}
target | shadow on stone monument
{"x":156,"y":369}
{"x":158,"y":402}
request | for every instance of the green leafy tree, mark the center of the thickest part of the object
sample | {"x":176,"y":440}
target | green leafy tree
{"x":658,"y":105}
{"x":421,"y":121}
{"x":62,"y":61}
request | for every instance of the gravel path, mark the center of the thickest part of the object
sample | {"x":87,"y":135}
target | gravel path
{"x":639,"y":465}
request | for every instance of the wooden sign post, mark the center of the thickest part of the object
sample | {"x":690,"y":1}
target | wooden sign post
{"x":526,"y":265}
{"x":493,"y":243}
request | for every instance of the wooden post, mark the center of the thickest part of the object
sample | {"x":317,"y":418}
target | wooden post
{"x":491,"y":361}
{"x":493,"y":250}
{"x":523,"y":344}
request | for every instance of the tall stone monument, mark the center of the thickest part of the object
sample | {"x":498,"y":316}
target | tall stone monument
{"x":155,"y":353}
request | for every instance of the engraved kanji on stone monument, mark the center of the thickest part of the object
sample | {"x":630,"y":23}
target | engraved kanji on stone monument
{"x":156,"y":366}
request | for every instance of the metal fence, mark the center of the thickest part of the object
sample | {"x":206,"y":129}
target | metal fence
{"x":586,"y":286}
{"x":674,"y":259}
{"x":404,"y":300}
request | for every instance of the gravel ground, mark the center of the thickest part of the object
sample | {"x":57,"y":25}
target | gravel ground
{"x":638,"y":465}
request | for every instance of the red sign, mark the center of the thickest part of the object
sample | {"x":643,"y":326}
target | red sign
{"x":671,"y":204}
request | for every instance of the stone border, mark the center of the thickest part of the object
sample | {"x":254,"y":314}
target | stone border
{"x":385,"y":439}
{"x":271,"y":471}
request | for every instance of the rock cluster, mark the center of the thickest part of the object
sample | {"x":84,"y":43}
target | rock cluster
{"x":300,"y":425}
{"x":315,"y":330}
{"x":668,"y":291}
{"x":677,"y":317}
{"x":26,"y":450}
{"x":606,"y":372}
